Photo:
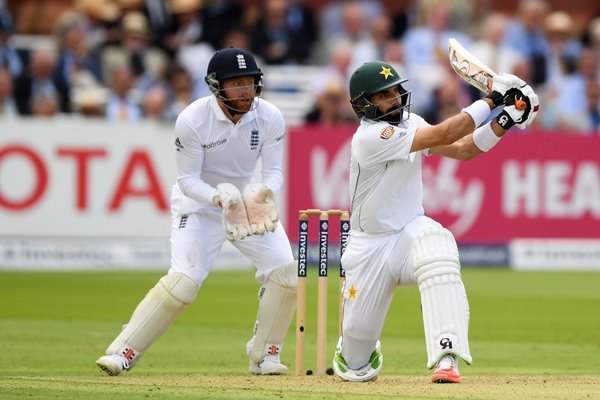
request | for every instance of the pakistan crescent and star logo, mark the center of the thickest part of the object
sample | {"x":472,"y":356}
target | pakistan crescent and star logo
{"x":386,"y":72}
{"x":352,"y":292}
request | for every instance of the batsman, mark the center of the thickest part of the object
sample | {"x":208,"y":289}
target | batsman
{"x":392,"y":242}
{"x":219,"y":140}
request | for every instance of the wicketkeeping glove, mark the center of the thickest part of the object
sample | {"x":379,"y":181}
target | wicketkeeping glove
{"x":261,"y":208}
{"x":235,"y":218}
{"x":501,"y":84}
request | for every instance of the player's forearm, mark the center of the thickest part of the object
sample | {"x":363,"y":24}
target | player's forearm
{"x":463,"y":149}
{"x":464,"y":123}
{"x":272,"y":170}
{"x":468,"y":147}
{"x":196,"y":189}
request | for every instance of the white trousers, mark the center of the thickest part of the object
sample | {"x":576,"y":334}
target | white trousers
{"x":375,"y":265}
{"x":196,"y":240}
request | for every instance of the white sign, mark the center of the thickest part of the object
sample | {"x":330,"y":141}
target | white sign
{"x":86,"y":193}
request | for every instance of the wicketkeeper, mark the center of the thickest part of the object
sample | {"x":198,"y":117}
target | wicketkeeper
{"x":391,"y":241}
{"x":218,"y":142}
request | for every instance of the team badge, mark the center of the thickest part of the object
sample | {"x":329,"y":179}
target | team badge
{"x":352,"y":292}
{"x":386,"y":72}
{"x":241,"y":61}
{"x":254,"y":139}
{"x":387,"y":132}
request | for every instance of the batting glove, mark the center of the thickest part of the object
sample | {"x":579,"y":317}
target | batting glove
{"x":533,"y":106}
{"x":501,"y":84}
{"x":261,"y":208}
{"x":520,"y":108}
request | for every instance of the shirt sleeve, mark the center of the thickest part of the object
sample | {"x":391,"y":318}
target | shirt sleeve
{"x":383,"y":143}
{"x":189,"y":158}
{"x":272,"y":155}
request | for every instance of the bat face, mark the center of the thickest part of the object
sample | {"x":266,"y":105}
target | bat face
{"x":469,"y":68}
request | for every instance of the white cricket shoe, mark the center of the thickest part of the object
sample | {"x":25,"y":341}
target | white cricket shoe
{"x":369,"y":372}
{"x":113,"y":364}
{"x":269,"y":365}
{"x":446,"y":370}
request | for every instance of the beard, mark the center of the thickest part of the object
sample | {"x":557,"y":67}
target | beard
{"x":241,"y":104}
{"x":392,"y":115}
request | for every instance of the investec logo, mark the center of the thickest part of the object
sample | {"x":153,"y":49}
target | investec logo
{"x":302,"y":242}
{"x":323,"y":237}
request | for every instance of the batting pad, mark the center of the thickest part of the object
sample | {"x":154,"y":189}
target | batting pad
{"x":155,"y":313}
{"x":275,"y":311}
{"x":443,"y":298}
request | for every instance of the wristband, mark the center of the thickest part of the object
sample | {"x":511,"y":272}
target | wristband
{"x":479,"y":111}
{"x":485,"y":138}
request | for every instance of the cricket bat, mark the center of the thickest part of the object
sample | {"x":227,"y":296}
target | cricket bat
{"x":469,"y":67}
{"x":472,"y":70}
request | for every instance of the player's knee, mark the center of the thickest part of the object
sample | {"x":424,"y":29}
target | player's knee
{"x":435,"y":253}
{"x":357,"y":331}
{"x":285,"y":276}
{"x":180,"y":286}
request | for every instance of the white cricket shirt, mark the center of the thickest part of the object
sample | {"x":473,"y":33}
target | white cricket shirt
{"x":386,"y":188}
{"x":210,"y":149}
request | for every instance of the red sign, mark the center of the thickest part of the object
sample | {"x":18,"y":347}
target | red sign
{"x":536,"y":185}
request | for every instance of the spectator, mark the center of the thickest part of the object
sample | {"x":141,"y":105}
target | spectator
{"x":44,"y":105}
{"x":38,"y":84}
{"x":237,"y":37}
{"x":338,"y":67}
{"x":593,"y":36}
{"x":427,"y":43}
{"x":147,"y":63}
{"x":563,"y":47}
{"x":186,"y":45}
{"x":372,"y":47}
{"x":158,"y":15}
{"x":593,"y":100}
{"x":218,"y":18}
{"x":99,"y":20}
{"x":90,"y":102}
{"x":353,"y":29}
{"x":180,"y":83}
{"x":8,"y":106}
{"x":331,"y":23}
{"x":9,"y":57}
{"x":525,"y":34}
{"x":331,"y":106}
{"x":489,"y":47}
{"x":155,"y":103}
{"x":188,"y":29}
{"x":449,"y":97}
{"x":75,"y":66}
{"x":426,"y":50}
{"x":577,"y":108}
{"x":276,"y":41}
{"x":121,"y":106}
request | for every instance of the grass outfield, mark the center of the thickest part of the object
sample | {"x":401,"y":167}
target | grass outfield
{"x":533,"y":335}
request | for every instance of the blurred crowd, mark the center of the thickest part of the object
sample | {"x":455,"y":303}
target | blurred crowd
{"x":127,"y":60}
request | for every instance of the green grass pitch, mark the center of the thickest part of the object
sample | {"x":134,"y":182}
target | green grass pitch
{"x":527,"y":330}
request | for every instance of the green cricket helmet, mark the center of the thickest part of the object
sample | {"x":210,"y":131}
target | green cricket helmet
{"x":373,"y":77}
